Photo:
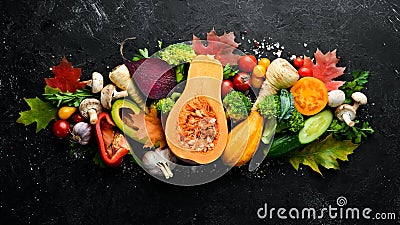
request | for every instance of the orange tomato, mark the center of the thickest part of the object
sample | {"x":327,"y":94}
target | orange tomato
{"x":259,"y":71}
{"x":65,"y":112}
{"x":264,"y":62}
{"x":310,"y":95}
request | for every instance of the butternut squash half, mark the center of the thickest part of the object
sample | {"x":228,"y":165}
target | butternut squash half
{"x":196,"y":128}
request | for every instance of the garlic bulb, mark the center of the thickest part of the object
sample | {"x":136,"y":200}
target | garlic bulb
{"x":81,"y":133}
{"x":159,"y":162}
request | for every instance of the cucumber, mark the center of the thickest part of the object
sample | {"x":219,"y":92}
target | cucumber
{"x":315,"y":126}
{"x":284,"y":144}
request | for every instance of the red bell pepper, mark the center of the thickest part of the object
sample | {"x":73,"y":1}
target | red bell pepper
{"x":112,"y":143}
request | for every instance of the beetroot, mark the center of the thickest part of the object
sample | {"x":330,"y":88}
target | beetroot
{"x":154,"y":77}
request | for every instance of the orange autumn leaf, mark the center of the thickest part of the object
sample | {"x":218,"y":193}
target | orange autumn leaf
{"x":66,"y":77}
{"x":221,"y":47}
{"x":325,"y":68}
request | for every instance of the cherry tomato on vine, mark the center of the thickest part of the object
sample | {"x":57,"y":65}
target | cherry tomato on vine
{"x":61,"y":128}
{"x":298,"y":62}
{"x":305,"y":72}
{"x":246,"y":63}
{"x":241,"y":81}
{"x":226,"y":87}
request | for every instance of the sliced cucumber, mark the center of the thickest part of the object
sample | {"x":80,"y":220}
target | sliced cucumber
{"x":315,"y":126}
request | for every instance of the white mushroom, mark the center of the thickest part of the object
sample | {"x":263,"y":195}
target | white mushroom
{"x":346,"y":113}
{"x":89,"y":108}
{"x":96,"y":82}
{"x":109,"y":93}
{"x":359,"y":99}
{"x":336,"y":98}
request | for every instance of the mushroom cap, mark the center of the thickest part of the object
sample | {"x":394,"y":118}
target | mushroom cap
{"x":88,"y":104}
{"x":345,"y":109}
{"x":97,"y":82}
{"x":107,"y":95}
{"x":359,"y":97}
{"x":336,"y":98}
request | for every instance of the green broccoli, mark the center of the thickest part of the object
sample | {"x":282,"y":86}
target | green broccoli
{"x":290,"y":120}
{"x":165,"y":105}
{"x":237,"y":105}
{"x":177,"y":54}
{"x":270,"y":106}
{"x":294,"y":123}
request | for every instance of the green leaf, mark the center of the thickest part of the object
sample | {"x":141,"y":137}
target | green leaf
{"x":324,"y":153}
{"x":287,"y":105}
{"x":41,"y":112}
{"x":50,"y":90}
{"x":229,"y":71}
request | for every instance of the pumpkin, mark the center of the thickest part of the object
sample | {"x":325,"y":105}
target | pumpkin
{"x":243,"y":140}
{"x":196,"y":128}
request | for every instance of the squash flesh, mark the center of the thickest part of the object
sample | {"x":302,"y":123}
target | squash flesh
{"x":204,"y":81}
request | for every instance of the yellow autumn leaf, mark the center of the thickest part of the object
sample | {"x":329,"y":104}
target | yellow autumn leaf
{"x":324,"y":153}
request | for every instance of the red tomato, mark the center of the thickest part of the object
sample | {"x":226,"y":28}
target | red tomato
{"x":77,"y":117}
{"x":226,"y":87}
{"x":298,"y":62}
{"x":241,"y":82}
{"x":61,"y":128}
{"x":305,"y":72}
{"x":246,"y":63}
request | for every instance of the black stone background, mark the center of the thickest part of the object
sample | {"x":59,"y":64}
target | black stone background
{"x":42,"y":184}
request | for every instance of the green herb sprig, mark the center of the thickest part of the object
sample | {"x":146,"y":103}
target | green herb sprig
{"x":356,"y":133}
{"x":143,"y":53}
{"x":58,"y":98}
{"x":229,"y":71}
{"x":360,"y":78}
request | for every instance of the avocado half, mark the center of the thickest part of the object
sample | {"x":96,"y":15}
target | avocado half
{"x":116,"y":114}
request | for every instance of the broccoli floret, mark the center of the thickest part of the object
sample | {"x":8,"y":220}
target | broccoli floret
{"x":237,"y":105}
{"x":294,"y":124}
{"x":270,"y":106}
{"x":165,"y":105}
{"x":296,"y":121}
{"x":176,"y":54}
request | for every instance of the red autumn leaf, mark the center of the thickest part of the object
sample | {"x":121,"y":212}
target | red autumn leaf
{"x":325,"y":68}
{"x":66,"y":77}
{"x":221,"y":47}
